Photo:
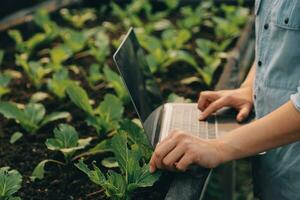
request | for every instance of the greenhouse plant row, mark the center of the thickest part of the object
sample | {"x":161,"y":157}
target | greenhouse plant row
{"x":68,"y":127}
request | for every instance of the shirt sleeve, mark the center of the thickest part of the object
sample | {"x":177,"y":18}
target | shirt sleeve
{"x":295,"y":98}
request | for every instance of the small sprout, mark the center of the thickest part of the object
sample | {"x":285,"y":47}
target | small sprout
{"x":66,"y":140}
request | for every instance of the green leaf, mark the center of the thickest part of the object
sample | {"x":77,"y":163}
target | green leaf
{"x":60,"y":54}
{"x":66,"y":140}
{"x":35,"y":112}
{"x":102,"y":147}
{"x":11,"y":111}
{"x":15,"y":137}
{"x":55,"y":116}
{"x":74,"y":40}
{"x":137,"y":136}
{"x":174,"y":98}
{"x":39,"y":96}
{"x":39,"y":171}
{"x":119,"y":146}
{"x":95,"y":175}
{"x":59,"y":82}
{"x":109,"y":162}
{"x":142,"y":178}
{"x":79,"y":97}
{"x":10,"y":182}
{"x":115,"y":185}
{"x":115,"y":81}
{"x":111,"y":107}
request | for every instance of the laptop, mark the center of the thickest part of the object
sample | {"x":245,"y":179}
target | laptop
{"x":158,"y":117}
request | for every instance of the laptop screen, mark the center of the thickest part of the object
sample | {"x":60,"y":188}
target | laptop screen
{"x":132,"y":65}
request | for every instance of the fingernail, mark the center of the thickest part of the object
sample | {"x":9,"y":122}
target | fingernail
{"x":200,"y":117}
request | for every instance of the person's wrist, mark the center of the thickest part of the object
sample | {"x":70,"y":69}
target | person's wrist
{"x":225,"y":151}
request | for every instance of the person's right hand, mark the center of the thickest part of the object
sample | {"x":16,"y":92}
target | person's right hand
{"x":240,"y":99}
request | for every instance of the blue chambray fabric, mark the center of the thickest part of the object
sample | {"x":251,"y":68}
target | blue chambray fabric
{"x":277,"y":173}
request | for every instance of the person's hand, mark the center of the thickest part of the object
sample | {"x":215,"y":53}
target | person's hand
{"x":179,"y":150}
{"x":240,"y":99}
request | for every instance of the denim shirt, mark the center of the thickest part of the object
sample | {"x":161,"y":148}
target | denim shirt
{"x":277,"y":80}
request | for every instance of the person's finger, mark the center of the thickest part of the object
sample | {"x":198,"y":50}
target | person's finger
{"x":243,"y":113}
{"x":205,"y":98}
{"x":213,"y":107}
{"x":173,"y":157}
{"x":184,"y":162}
{"x":162,"y":149}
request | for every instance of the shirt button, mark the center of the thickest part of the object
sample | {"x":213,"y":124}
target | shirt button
{"x":259,"y":63}
{"x":286,"y":21}
{"x":266,"y":26}
{"x":254,"y":96}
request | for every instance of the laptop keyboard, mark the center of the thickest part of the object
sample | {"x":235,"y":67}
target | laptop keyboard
{"x":186,"y":118}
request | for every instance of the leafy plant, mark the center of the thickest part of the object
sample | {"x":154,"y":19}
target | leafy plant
{"x":58,"y":55}
{"x":115,"y":81}
{"x":10,"y":183}
{"x":59,"y":82}
{"x":35,"y":70}
{"x":78,"y":18}
{"x":66,"y":140}
{"x":75,"y":40}
{"x":132,"y":174}
{"x":4,"y":82}
{"x":105,"y":117}
{"x":99,"y":47}
{"x":159,"y":58}
{"x":32,"y":117}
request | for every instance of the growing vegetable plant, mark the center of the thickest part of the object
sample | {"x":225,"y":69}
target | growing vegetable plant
{"x":66,"y":140}
{"x":105,"y":117}
{"x":32,"y":117}
{"x":10,"y":183}
{"x":133,"y":175}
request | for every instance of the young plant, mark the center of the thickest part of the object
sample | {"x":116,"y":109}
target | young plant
{"x":159,"y":58}
{"x":66,"y":140}
{"x":4,"y":82}
{"x":59,"y":82}
{"x":78,"y":18}
{"x":207,"y":50}
{"x":58,"y":55}
{"x":114,"y":80}
{"x":134,"y":172}
{"x":99,"y":46}
{"x":10,"y":183}
{"x":32,"y":117}
{"x":105,"y":117}
{"x":35,"y":70}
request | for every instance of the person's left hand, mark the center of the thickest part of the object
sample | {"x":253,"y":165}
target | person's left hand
{"x":179,"y":150}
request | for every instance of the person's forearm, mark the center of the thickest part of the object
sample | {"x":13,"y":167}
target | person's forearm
{"x":250,"y":77}
{"x":278,"y":128}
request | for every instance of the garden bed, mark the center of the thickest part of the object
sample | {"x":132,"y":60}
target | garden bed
{"x":51,"y":60}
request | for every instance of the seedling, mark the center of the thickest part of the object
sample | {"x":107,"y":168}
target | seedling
{"x":66,"y":140}
{"x":78,"y":18}
{"x":10,"y":183}
{"x":105,"y":117}
{"x":36,"y":71}
{"x":4,"y":82}
{"x":32,"y":117}
{"x":133,"y":175}
{"x":58,"y":83}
